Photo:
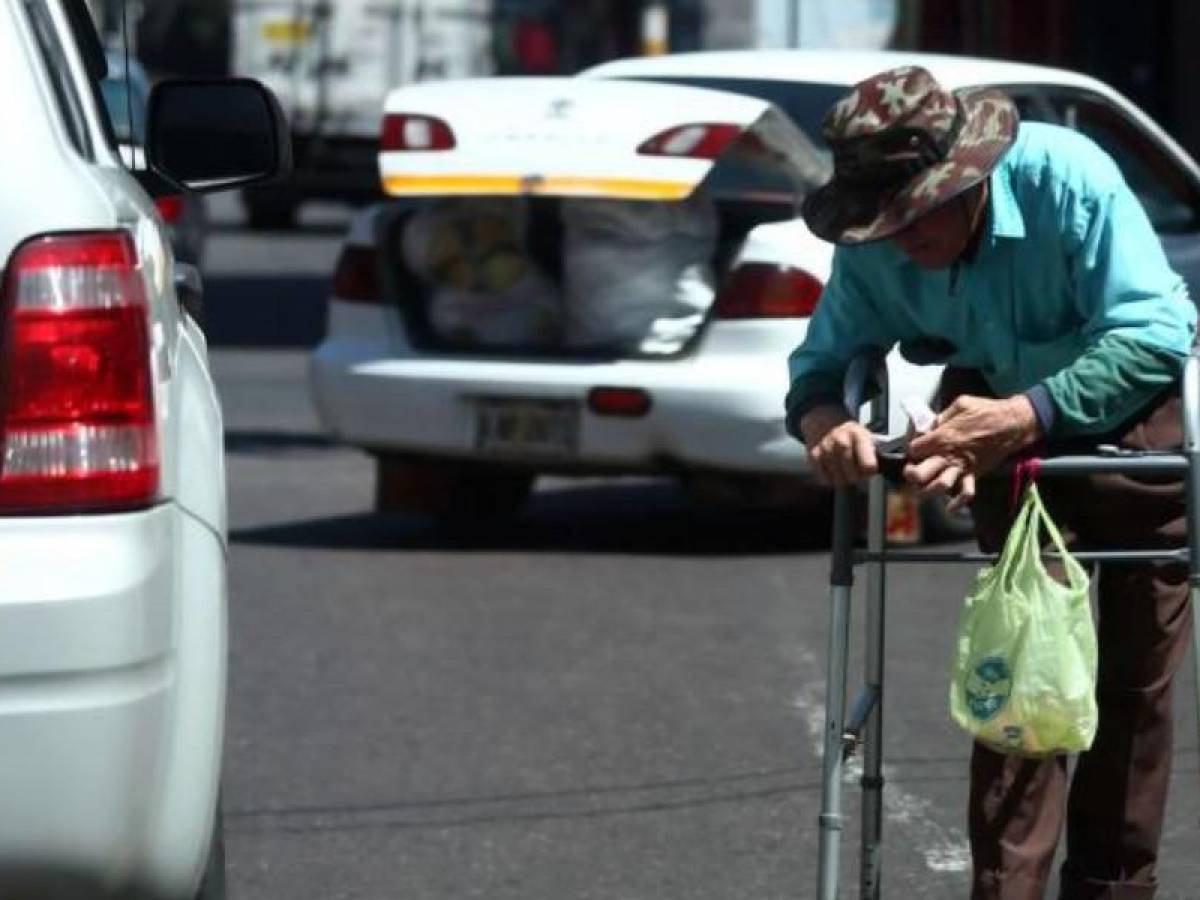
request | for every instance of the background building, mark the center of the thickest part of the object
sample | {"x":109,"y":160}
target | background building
{"x":1144,"y":50}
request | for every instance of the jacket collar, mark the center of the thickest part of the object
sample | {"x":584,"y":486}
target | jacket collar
{"x":1004,"y":219}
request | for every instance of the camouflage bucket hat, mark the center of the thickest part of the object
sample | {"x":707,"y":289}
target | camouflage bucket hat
{"x":902,"y":146}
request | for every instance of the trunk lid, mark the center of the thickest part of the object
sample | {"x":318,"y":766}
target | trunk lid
{"x":572,"y":137}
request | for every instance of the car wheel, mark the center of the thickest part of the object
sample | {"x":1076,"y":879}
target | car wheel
{"x":450,"y":492}
{"x":943,"y":525}
{"x":270,"y":210}
{"x":212,"y":885}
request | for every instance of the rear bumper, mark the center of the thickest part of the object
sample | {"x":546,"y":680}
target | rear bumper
{"x":717,"y":412}
{"x":112,"y":668}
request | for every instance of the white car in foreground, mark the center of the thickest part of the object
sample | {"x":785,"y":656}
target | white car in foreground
{"x":112,"y":493}
{"x":461,"y":428}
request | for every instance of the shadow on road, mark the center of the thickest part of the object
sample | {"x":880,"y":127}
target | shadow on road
{"x":334,"y":227}
{"x":264,"y":310}
{"x":651,"y":518}
{"x":276,"y":442}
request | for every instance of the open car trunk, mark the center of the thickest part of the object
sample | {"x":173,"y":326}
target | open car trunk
{"x":572,"y":217}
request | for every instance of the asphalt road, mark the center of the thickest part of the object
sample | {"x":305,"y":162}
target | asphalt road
{"x":615,"y":696}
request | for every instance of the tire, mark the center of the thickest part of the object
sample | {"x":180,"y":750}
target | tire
{"x":450,"y":492}
{"x":212,"y":884}
{"x":942,"y":525}
{"x":270,"y":210}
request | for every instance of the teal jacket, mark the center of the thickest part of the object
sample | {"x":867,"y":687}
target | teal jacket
{"x":1069,"y":297}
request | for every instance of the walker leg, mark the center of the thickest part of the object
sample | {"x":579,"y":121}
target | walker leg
{"x":872,"y":777}
{"x":1191,"y":449}
{"x":841,"y":582}
{"x":1193,"y":507}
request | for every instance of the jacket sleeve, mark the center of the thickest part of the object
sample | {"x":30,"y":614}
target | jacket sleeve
{"x":845,"y":324}
{"x":1138,"y":319}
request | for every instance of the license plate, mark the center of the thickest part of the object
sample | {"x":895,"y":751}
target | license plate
{"x":527,"y":427}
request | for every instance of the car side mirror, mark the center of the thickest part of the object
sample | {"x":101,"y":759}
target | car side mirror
{"x":213,"y":135}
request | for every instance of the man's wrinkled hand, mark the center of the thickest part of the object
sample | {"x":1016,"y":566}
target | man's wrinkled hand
{"x":942,"y":475}
{"x":970,"y":437}
{"x":840,"y":450}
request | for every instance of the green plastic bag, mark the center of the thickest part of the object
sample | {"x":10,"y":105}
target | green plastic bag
{"x":1023,"y":678}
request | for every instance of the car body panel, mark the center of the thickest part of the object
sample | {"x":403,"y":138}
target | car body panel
{"x":112,"y":627}
{"x":111,"y":742}
{"x":843,"y":67}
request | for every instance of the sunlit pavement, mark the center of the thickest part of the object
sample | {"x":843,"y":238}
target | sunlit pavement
{"x":615,"y":696}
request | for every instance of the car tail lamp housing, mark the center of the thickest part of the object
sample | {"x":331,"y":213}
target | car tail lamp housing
{"x":77,"y":418}
{"x":356,"y":276}
{"x":405,"y":132}
{"x":768,"y":291}
{"x":703,"y":140}
{"x":170,"y":207}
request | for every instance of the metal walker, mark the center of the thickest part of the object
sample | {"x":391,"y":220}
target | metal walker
{"x":866,"y":380}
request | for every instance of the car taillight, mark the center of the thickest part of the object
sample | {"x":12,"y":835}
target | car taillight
{"x":411,"y":132}
{"x":699,"y":141}
{"x":356,"y":277}
{"x":76,"y":385}
{"x":170,"y":208}
{"x":614,"y":401}
{"x":768,"y":291}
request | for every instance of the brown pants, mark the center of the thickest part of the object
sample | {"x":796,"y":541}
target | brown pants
{"x":1115,"y":802}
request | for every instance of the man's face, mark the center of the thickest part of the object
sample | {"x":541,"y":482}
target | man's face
{"x":938,"y":238}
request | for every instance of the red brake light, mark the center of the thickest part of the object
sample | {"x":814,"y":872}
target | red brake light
{"x":614,"y":401}
{"x":170,"y":208}
{"x":356,"y":277}
{"x":768,"y":291}
{"x":77,"y":406}
{"x":699,"y":141}
{"x":410,"y":132}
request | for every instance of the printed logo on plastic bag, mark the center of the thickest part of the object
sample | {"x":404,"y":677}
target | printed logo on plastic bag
{"x":988,"y":687}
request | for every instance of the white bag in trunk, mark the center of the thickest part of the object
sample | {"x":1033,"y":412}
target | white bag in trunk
{"x":638,"y":274}
{"x":485,"y":287}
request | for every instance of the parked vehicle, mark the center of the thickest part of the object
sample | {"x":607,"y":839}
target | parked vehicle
{"x":457,"y":428}
{"x":126,"y":92}
{"x":649,"y":370}
{"x":112,"y":488}
{"x":332,"y":64}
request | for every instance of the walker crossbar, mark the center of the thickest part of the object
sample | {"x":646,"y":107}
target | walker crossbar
{"x":866,"y":379}
{"x":1085,"y":556}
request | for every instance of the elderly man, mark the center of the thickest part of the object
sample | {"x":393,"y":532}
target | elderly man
{"x":1021,"y":260}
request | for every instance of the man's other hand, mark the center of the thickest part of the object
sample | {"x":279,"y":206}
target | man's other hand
{"x":970,"y":437}
{"x":840,"y":450}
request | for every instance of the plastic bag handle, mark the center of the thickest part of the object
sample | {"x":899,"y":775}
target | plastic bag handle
{"x":1016,"y":544}
{"x":1069,"y":564}
{"x":1023,"y":546}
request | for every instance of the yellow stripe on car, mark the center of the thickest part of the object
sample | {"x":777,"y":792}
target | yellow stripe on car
{"x":288,"y":31}
{"x":625,"y":188}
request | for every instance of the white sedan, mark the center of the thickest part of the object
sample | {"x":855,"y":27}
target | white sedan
{"x":461,"y":419}
{"x":112,"y":489}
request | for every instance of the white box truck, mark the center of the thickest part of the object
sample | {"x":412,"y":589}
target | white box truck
{"x":331,"y":63}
